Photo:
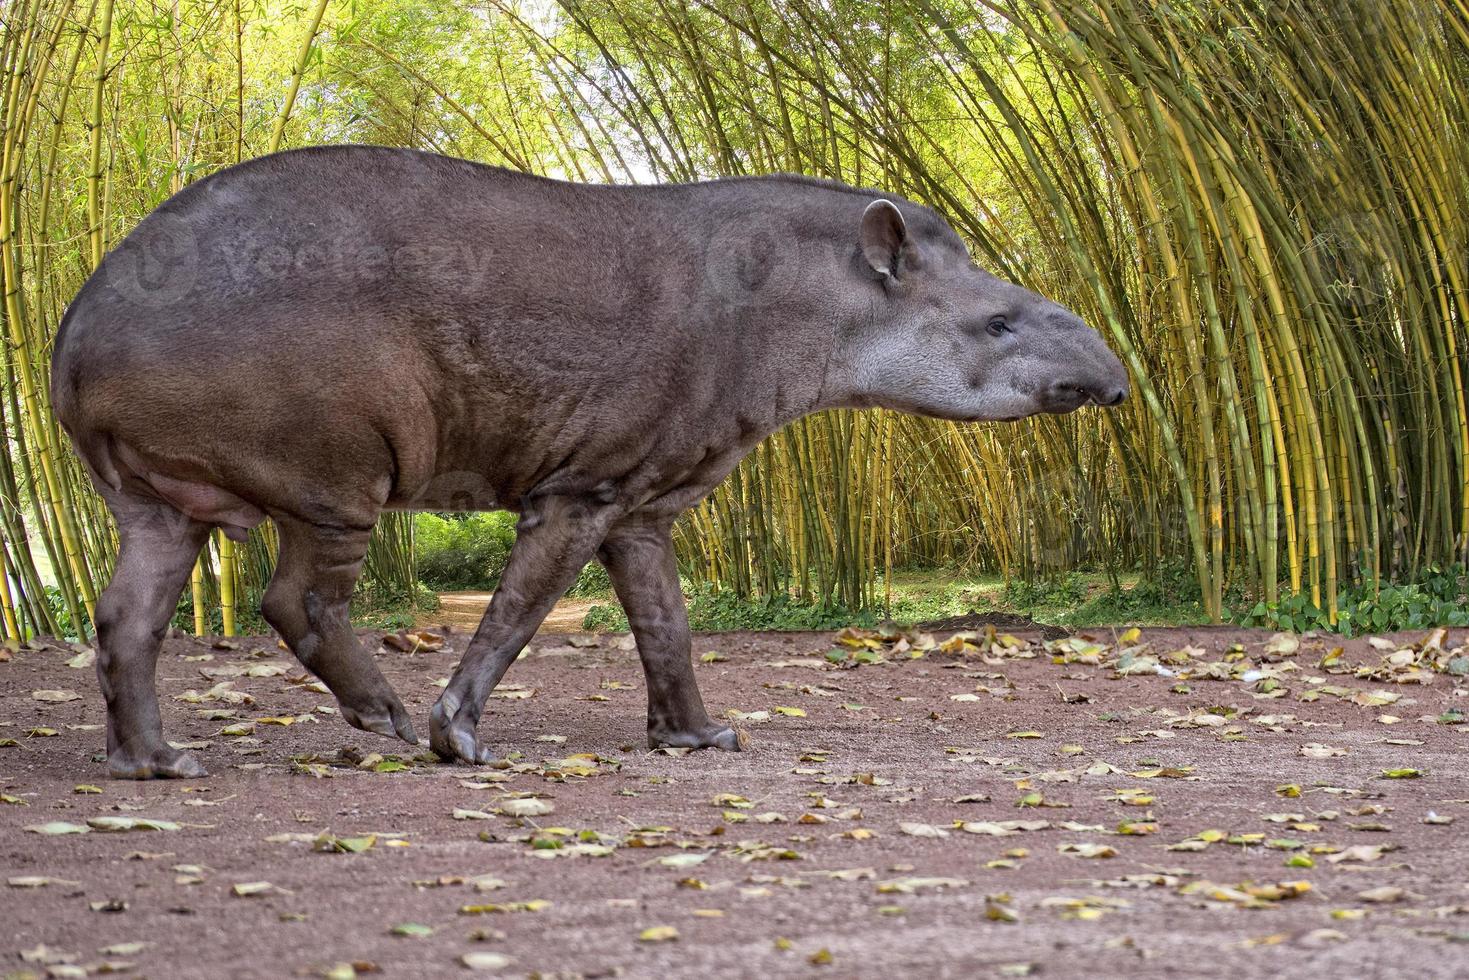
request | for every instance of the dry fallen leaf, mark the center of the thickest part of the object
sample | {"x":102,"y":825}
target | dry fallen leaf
{"x":57,"y":828}
{"x":1383,"y":895}
{"x":247,"y":889}
{"x":685,"y":860}
{"x":37,"y":881}
{"x":910,"y":886}
{"x":412,"y":930}
{"x":116,"y":824}
{"x":922,"y":830}
{"x":1360,"y":853}
{"x":1315,"y":750}
{"x":486,"y":960}
{"x":526,"y":807}
{"x":57,"y":697}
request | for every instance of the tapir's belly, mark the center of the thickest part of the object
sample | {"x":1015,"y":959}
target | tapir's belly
{"x":455,"y":491}
{"x":655,"y":469}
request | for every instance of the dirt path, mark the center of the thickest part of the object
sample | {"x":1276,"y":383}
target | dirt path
{"x":1184,"y":826}
{"x":463,"y":610}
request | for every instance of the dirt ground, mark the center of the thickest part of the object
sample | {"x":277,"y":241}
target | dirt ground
{"x":463,"y":610}
{"x":1154,"y":806}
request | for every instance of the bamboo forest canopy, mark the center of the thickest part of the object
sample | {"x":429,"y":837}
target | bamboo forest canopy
{"x":1263,"y":205}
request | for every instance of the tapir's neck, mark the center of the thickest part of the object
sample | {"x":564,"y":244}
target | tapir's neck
{"x":806,"y":349}
{"x":852,"y":376}
{"x":791,"y":365}
{"x":816,"y":361}
{"x":853,"y":372}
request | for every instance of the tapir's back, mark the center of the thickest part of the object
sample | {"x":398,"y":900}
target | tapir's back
{"x":325,"y":249}
{"x":415,"y":313}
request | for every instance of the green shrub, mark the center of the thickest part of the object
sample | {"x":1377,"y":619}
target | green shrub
{"x":1436,"y":598}
{"x":1146,"y":602}
{"x":719,"y":612}
{"x":60,"y":613}
{"x":463,"y":551}
{"x":592,"y":582}
{"x":1065,"y":591}
{"x":248,"y":621}
{"x":605,"y":619}
{"x":374,"y":607}
{"x":713,"y":612}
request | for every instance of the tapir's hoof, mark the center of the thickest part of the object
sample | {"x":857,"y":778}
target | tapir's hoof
{"x":710,"y":737}
{"x":454,"y":740}
{"x":389,"y":720}
{"x":163,"y":763}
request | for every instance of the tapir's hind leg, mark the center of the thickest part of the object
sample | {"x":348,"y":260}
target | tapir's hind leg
{"x":307,"y":603}
{"x":640,"y":561}
{"x":157,"y":549}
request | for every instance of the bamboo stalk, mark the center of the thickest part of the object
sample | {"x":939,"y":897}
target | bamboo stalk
{"x":278,"y":130}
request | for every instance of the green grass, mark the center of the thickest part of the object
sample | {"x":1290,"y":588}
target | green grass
{"x":1080,"y":600}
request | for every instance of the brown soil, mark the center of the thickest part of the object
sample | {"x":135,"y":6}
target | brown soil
{"x":463,"y":610}
{"x":879,"y":747}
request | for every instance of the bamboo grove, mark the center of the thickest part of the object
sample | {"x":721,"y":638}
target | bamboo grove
{"x":1263,"y":204}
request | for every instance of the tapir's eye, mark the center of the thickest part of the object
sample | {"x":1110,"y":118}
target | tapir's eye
{"x":997,"y":326}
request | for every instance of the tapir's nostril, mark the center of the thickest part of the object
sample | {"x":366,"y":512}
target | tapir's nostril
{"x":1069,"y":395}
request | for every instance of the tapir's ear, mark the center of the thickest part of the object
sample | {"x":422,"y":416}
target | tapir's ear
{"x":884,"y":236}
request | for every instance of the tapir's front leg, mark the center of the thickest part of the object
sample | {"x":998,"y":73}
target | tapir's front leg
{"x":640,"y":560}
{"x":552,"y":544}
{"x":307,"y":603}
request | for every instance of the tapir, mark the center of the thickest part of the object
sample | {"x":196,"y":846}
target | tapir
{"x":320,"y":335}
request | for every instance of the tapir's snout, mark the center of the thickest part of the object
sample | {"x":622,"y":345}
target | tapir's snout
{"x":1114,"y":388}
{"x":1112,"y":395}
{"x":1097,"y":376}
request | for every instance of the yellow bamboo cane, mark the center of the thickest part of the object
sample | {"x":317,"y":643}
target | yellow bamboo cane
{"x":278,"y":130}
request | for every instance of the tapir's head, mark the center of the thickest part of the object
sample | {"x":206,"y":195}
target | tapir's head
{"x":943,"y":338}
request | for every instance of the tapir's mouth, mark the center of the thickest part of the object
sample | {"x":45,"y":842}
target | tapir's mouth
{"x":1061,"y":400}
